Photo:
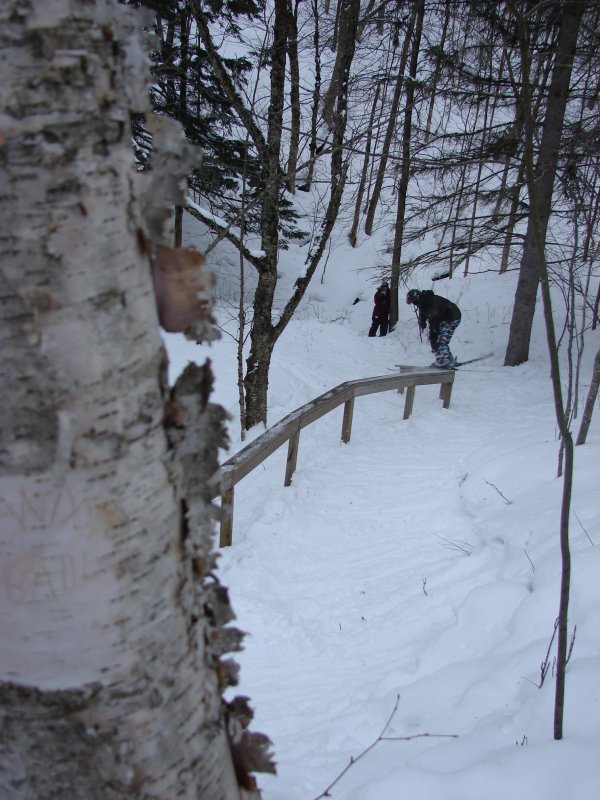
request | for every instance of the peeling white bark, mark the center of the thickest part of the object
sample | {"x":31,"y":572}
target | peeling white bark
{"x":109,"y":683}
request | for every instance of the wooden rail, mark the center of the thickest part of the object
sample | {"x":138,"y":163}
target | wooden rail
{"x":288,"y":429}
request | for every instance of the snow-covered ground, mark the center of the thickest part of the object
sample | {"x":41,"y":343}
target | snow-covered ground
{"x":412,"y":575}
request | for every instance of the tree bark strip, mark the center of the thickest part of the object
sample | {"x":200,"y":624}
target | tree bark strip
{"x":111,"y":671}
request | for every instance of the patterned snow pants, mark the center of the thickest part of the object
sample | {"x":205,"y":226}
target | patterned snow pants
{"x":443,"y":356}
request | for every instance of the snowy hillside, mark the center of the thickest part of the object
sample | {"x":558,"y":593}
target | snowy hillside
{"x":416,"y":568}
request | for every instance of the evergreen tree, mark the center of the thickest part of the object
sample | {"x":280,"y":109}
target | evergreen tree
{"x":185,"y":88}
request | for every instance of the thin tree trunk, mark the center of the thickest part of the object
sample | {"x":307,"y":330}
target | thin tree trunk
{"x":406,"y":156}
{"x":391,"y":126}
{"x":537,"y":229}
{"x":376,"y":144}
{"x":596,"y":314}
{"x":182,"y":102}
{"x":339,"y":169}
{"x":228,"y":86}
{"x":171,"y":96}
{"x":488,"y":121}
{"x":590,"y":402}
{"x":262,"y":339}
{"x":457,"y":219}
{"x":178,"y":227}
{"x":363,"y":177}
{"x":517,"y":350}
{"x":570,"y":329}
{"x":336,"y":27}
{"x":292,"y":45}
{"x":512,"y":217}
{"x":437,"y":70}
{"x":313,"y":144}
{"x":263,"y":333}
{"x":515,"y":190}
{"x":381,"y":18}
{"x":348,"y":10}
{"x":241,"y":306}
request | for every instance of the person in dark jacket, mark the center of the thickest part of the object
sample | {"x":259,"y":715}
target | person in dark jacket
{"x":381,"y":311}
{"x":443,"y":317}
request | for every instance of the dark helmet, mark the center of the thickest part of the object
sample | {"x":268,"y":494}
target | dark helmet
{"x":413,"y":296}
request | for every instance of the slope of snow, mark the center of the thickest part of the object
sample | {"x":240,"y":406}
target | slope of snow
{"x":416,"y":568}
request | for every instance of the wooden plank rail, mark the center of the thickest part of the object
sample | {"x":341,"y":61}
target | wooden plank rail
{"x":288,"y":429}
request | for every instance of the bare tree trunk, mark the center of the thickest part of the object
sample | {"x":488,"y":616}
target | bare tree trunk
{"x":517,"y":350}
{"x":537,"y":230}
{"x":391,"y":126}
{"x":375,"y":144}
{"x":111,"y":672}
{"x":363,"y":177}
{"x":437,"y":70}
{"x":182,"y":102}
{"x":313,"y":143}
{"x":241,"y":336}
{"x":348,"y":11}
{"x":540,"y":81}
{"x":512,"y":217}
{"x":339,"y":167}
{"x":595,"y":314}
{"x":168,"y":57}
{"x":263,"y":332}
{"x":292,"y":45}
{"x":178,"y":227}
{"x":405,"y":168}
{"x":488,"y":119}
{"x":262,"y":338}
{"x":336,"y":27}
{"x":380,"y":19}
{"x":457,"y":220}
{"x":590,"y":402}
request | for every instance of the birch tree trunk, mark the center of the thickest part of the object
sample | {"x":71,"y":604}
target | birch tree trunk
{"x":112,"y":623}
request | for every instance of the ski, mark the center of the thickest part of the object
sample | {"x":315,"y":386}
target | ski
{"x":459,"y":364}
{"x":473,"y":360}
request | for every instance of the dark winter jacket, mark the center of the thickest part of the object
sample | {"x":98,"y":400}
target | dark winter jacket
{"x":435,"y":309}
{"x":382,"y":303}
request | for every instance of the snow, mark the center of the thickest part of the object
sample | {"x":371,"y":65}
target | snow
{"x":412,"y":575}
{"x":206,"y":214}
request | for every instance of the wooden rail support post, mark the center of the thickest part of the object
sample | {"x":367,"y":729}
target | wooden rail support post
{"x":292,"y":457}
{"x":408,"y":403}
{"x":347,"y":421}
{"x":226,"y":533}
{"x":446,"y":393}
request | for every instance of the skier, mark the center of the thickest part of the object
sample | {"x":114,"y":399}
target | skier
{"x":381,"y":310}
{"x":443,"y":317}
